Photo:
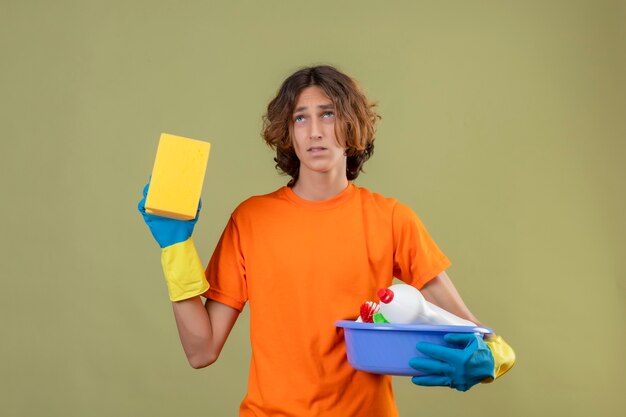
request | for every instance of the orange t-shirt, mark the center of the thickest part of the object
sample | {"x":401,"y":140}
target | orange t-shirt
{"x":303,"y":265}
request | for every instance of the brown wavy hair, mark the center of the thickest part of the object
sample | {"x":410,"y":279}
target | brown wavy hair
{"x":356,"y":119}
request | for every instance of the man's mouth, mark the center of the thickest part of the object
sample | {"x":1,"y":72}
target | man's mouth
{"x":316,"y":149}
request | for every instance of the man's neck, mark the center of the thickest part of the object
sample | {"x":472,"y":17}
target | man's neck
{"x":320,"y":187}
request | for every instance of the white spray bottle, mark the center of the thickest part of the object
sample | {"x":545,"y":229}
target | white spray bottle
{"x":404,"y":304}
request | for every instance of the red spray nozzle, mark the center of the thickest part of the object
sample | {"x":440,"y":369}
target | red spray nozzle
{"x":385,"y":295}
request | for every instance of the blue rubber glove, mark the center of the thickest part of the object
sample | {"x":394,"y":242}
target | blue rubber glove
{"x":456,"y":367}
{"x":167,"y":231}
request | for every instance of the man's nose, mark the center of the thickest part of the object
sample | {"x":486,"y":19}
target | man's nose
{"x":315,"y":131}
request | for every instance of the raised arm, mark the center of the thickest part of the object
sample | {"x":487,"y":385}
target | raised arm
{"x":202,"y":329}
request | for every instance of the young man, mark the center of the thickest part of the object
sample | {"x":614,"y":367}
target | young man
{"x":307,"y":255}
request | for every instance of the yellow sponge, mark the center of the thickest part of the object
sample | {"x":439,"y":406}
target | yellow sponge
{"x":177,"y":177}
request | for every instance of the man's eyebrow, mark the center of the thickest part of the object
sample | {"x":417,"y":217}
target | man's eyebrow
{"x":322,"y":107}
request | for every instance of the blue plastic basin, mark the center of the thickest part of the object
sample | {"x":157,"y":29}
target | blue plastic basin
{"x":387,"y":348}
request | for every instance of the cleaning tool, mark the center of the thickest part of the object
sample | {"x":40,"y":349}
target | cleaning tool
{"x":405,"y":304}
{"x":177,"y":177}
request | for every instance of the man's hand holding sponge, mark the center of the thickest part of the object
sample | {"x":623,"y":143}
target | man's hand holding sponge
{"x":171,"y":211}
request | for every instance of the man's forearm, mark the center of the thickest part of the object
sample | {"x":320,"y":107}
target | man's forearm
{"x":195,"y":332}
{"x":203,"y":329}
{"x":442,"y":292}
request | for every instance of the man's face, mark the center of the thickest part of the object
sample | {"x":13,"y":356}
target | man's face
{"x":314,"y":138}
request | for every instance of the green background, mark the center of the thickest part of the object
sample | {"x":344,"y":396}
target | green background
{"x":504,"y":128}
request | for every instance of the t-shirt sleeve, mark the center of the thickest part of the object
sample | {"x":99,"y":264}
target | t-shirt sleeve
{"x":417,"y":259}
{"x":226,"y":271}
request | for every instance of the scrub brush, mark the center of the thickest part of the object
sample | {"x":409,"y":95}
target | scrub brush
{"x":368,"y":309}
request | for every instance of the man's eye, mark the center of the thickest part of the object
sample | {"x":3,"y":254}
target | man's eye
{"x":328,"y":114}
{"x":298,"y":119}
